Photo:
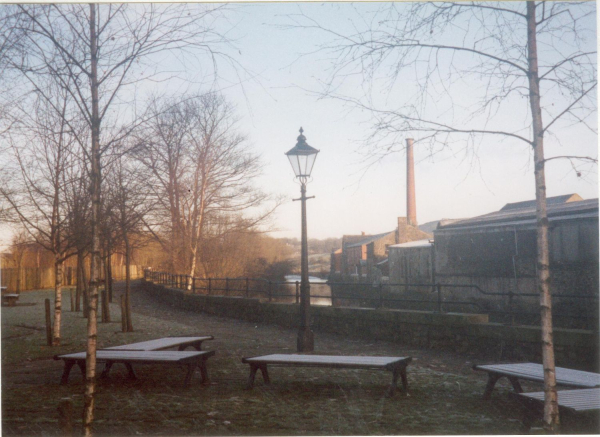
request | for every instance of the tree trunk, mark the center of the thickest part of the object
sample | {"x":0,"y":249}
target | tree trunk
{"x":128,"y":282}
{"x":109,"y":278}
{"x":551,"y":418}
{"x":80,"y":281}
{"x":95,"y":186}
{"x":58,"y":279}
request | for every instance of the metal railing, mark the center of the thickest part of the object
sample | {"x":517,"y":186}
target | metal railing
{"x":573,"y":310}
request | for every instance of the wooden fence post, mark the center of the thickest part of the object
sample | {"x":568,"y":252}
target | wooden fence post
{"x":48,"y":324}
{"x":65,"y":417}
{"x":123,"y":314}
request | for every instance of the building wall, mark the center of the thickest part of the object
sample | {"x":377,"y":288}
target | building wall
{"x":412,"y":265}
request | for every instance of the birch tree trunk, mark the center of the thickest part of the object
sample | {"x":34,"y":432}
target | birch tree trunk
{"x":58,"y":279}
{"x":95,"y":182}
{"x":551,"y":418}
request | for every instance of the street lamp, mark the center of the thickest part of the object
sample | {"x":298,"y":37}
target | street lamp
{"x":302,"y":157}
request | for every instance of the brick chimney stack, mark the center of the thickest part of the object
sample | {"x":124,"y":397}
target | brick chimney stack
{"x":411,"y":202}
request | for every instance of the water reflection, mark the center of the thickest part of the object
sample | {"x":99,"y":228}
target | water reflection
{"x":318,"y":287}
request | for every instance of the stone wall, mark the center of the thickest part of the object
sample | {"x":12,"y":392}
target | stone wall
{"x":464,"y":333}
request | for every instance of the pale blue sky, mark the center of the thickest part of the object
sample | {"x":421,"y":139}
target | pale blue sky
{"x":348,"y":201}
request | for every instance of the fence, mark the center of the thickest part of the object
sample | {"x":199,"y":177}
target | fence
{"x":32,"y":278}
{"x":569,"y":311}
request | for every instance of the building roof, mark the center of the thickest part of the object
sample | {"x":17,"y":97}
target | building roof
{"x":369,"y":239}
{"x":412,"y":244}
{"x":525,"y":215}
{"x":556,"y":200}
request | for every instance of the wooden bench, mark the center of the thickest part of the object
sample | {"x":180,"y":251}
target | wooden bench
{"x":191,"y":359}
{"x":164,"y":343}
{"x":396,"y":365}
{"x":535,"y":372}
{"x":575,"y":402}
{"x":9,"y":299}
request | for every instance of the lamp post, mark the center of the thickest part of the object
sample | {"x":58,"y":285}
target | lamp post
{"x":302,"y":157}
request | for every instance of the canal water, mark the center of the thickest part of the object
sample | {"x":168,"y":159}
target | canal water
{"x":319,"y":290}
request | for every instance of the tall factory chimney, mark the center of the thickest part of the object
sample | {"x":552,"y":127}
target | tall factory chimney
{"x":411,"y":202}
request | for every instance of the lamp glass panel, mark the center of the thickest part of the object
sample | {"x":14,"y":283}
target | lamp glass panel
{"x":295,"y":164}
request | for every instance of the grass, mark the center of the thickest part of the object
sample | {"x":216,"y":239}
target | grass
{"x":300,"y":401}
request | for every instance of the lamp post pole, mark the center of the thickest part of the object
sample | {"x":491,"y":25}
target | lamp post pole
{"x":306,"y":341}
{"x":302,"y":158}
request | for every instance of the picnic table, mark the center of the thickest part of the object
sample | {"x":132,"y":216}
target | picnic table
{"x":575,"y":402}
{"x":396,"y":365}
{"x":164,"y":343}
{"x":191,"y":359}
{"x":9,"y":299}
{"x":535,"y":372}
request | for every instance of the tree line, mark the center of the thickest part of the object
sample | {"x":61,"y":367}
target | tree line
{"x":89,"y":170}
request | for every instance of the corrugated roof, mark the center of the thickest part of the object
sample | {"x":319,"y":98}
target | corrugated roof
{"x":527,"y":215}
{"x":369,"y":239}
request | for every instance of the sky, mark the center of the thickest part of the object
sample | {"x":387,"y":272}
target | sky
{"x":349,"y":200}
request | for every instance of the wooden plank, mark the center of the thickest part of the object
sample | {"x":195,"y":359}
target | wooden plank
{"x":362,"y":362}
{"x":535,"y":372}
{"x":162,"y":343}
{"x":575,"y":400}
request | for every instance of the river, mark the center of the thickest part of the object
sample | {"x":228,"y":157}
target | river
{"x":318,"y":287}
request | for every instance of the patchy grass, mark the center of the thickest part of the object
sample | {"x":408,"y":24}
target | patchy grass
{"x":445,"y":395}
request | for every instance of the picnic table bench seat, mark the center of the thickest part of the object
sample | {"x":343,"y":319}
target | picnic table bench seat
{"x":9,"y":299}
{"x":575,"y":402}
{"x":164,"y":343}
{"x":191,"y":359}
{"x":396,"y":365}
{"x":535,"y":372}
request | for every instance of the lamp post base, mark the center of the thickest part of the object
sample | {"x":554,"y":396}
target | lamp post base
{"x":306,"y":340}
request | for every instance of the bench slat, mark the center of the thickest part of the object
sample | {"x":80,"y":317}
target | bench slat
{"x":327,"y":360}
{"x":161,"y":343}
{"x":576,"y":400}
{"x":535,"y":372}
{"x":140,"y":356}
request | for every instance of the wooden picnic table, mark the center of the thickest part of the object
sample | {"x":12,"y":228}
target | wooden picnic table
{"x":535,"y":372}
{"x":164,"y":343}
{"x":576,"y":402}
{"x":396,"y":365}
{"x":9,"y":299}
{"x":191,"y":359}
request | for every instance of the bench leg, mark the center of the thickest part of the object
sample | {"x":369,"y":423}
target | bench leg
{"x":492,"y":379}
{"x":265,"y":373}
{"x":394,"y":384}
{"x":188,"y":377}
{"x":106,"y":370}
{"x":250,"y":383}
{"x":516,"y":384}
{"x":67,"y":370}
{"x":130,"y":372}
{"x":203,"y":372}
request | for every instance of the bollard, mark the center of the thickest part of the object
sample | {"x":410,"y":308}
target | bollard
{"x":65,"y":417}
{"x":48,"y":324}
{"x":123,"y":314}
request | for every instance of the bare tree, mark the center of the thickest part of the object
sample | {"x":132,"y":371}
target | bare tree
{"x":202,"y":170}
{"x":41,"y":143}
{"x":103,"y":52}
{"x":459,"y":71}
